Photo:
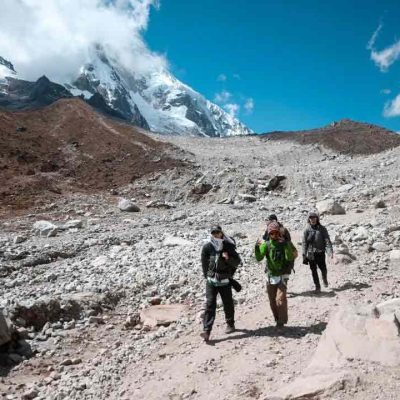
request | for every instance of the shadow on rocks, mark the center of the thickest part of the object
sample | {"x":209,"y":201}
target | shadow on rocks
{"x":292,"y":332}
{"x":313,"y":293}
{"x":352,"y":285}
{"x":13,"y":353}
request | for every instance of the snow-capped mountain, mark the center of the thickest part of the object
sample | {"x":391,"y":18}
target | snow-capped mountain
{"x":6,"y":70}
{"x":155,"y":101}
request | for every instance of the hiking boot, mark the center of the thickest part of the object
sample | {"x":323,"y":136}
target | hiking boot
{"x":317,"y":290}
{"x":205,"y":335}
{"x":230,"y":329}
{"x":280,"y":325}
{"x":325,"y":280}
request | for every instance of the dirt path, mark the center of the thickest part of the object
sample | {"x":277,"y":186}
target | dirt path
{"x":254,"y":361}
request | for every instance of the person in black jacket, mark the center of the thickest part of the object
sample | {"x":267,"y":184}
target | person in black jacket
{"x":316,"y":242}
{"x":219,"y":261}
{"x":283,"y":231}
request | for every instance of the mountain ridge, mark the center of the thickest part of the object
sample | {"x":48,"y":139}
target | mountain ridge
{"x":154,"y":101}
{"x":343,"y":136}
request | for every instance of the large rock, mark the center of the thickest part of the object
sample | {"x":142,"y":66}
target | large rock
{"x":72,"y":224}
{"x":331,"y":207}
{"x":45,"y":228}
{"x":313,"y":386}
{"x":128,"y":206}
{"x":394,"y":255}
{"x":162,"y":315}
{"x":388,"y":307}
{"x":358,"y":334}
{"x":249,"y":198}
{"x":381,"y":247}
{"x":361,"y":233}
{"x":171,"y":241}
{"x":69,"y":307}
{"x":275,"y":182}
{"x":5,"y":335}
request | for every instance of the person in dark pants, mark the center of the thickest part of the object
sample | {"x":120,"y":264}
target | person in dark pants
{"x":316,"y":242}
{"x":219,"y":262}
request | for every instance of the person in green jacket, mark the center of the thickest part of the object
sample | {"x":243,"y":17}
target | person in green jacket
{"x":279,"y":254}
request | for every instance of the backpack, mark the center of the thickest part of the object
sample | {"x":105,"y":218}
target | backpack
{"x":234,"y":258}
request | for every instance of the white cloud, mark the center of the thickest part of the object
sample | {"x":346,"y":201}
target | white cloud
{"x":222,"y":97}
{"x":249,"y":105}
{"x":392,"y":108}
{"x":232,"y":109}
{"x":236,"y":76}
{"x":386,"y":91}
{"x":372,"y":40}
{"x":55,"y":37}
{"x":386,"y":57}
{"x":222,"y":78}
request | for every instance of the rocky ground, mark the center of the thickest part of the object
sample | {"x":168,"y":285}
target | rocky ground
{"x":106,"y":303}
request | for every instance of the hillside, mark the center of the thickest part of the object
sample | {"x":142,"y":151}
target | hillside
{"x":66,"y":147}
{"x":345,"y":136}
{"x":82,"y":300}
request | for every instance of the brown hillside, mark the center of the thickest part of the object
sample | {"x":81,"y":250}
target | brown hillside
{"x":67,"y":146}
{"x":345,"y":136}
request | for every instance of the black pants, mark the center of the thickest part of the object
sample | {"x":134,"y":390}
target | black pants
{"x":319,"y":261}
{"x":211,"y":305}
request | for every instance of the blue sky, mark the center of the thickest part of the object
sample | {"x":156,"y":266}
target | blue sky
{"x":301,"y":64}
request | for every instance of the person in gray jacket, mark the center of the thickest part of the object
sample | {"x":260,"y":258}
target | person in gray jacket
{"x":316,"y":242}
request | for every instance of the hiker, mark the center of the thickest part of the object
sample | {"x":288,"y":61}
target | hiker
{"x":280,"y":255}
{"x":219,"y":261}
{"x":284,"y":232}
{"x":316,"y":242}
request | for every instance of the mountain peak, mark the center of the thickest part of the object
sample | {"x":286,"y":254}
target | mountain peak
{"x":7,"y":64}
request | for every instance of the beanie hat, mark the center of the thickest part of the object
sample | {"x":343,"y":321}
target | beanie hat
{"x":273,"y":227}
{"x":313,"y":215}
{"x":215,"y":229}
{"x":272,"y":217}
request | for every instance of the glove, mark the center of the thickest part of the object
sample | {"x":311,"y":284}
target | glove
{"x":305,"y":260}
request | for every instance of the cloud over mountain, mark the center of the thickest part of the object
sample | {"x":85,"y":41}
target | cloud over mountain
{"x":55,"y":38}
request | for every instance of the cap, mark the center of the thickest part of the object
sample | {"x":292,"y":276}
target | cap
{"x":215,"y":229}
{"x":273,"y":227}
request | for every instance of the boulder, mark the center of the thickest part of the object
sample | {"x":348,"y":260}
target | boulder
{"x":361,"y":233}
{"x":381,"y":247}
{"x":330,"y":206}
{"x":132,"y":320}
{"x":391,"y":306}
{"x":356,"y":333}
{"x":45,"y":228}
{"x":249,"y":198}
{"x":69,"y":307}
{"x":5,"y":334}
{"x":345,"y":188}
{"x":275,"y":182}
{"x":171,"y":241}
{"x":127,"y":206}
{"x":313,"y":386}
{"x":380,"y":204}
{"x":159,"y":204}
{"x":201,"y":188}
{"x":73,"y":224}
{"x":162,"y":315}
{"x":394,"y":255}
{"x":343,"y":259}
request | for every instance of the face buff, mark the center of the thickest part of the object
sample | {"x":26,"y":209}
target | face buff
{"x":217,"y":243}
